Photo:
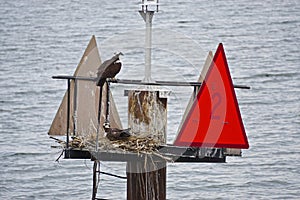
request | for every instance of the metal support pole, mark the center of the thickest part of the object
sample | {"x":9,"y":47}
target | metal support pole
{"x":148,"y":16}
{"x":148,"y":41}
{"x":99,"y":117}
{"x":75,"y":107}
{"x":107,"y":102}
{"x":195,"y":92}
{"x":68,"y":114}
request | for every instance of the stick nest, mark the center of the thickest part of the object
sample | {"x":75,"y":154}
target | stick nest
{"x":134,"y":144}
{"x":137,"y":144}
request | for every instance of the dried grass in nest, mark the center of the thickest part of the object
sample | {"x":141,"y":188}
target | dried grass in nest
{"x":137,"y":144}
{"x":133,"y":144}
{"x":77,"y":142}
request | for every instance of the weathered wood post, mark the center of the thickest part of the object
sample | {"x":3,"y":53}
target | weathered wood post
{"x":148,"y":117}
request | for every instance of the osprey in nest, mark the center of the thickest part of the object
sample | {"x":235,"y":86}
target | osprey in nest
{"x":116,"y":134}
{"x":108,"y":69}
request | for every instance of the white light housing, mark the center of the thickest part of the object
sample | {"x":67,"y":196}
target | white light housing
{"x":149,"y":5}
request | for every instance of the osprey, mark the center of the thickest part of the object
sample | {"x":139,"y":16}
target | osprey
{"x":115,"y":133}
{"x":108,"y":69}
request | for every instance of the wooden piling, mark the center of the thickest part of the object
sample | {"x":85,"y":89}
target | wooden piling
{"x":147,"y":116}
{"x":96,"y":173}
{"x":146,"y":184}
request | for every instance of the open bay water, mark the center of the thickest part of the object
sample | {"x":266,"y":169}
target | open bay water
{"x":39,"y":39}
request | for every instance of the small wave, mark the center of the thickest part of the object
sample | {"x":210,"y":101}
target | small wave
{"x":22,"y":154}
{"x":290,"y":74}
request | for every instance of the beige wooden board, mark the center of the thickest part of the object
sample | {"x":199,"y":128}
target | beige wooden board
{"x":85,"y":112}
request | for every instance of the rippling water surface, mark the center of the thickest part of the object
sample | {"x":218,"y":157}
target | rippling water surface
{"x":39,"y":39}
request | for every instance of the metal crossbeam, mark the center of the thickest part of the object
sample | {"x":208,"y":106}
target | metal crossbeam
{"x":140,"y":82}
{"x":172,"y":153}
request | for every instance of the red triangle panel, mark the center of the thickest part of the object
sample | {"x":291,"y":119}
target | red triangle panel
{"x":214,"y":119}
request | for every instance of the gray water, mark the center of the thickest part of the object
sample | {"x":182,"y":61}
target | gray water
{"x":39,"y":39}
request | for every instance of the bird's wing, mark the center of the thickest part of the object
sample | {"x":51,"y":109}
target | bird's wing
{"x":102,"y":67}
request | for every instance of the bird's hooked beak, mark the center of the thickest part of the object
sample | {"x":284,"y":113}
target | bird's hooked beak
{"x":119,"y":54}
{"x":116,"y":57}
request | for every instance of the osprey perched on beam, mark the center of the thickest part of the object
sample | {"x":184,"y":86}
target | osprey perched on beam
{"x":108,"y":69}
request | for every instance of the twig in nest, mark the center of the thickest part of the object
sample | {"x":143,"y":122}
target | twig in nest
{"x":145,"y":163}
{"x":161,"y":156}
{"x":58,"y":140}
{"x":57,"y":160}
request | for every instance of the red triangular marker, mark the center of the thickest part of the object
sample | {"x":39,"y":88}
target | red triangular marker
{"x":214,"y":119}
